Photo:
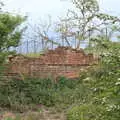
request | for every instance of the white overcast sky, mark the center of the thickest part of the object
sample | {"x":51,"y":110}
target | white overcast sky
{"x":41,"y":8}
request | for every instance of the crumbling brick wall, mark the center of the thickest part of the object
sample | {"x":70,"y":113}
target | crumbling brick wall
{"x":62,"y":61}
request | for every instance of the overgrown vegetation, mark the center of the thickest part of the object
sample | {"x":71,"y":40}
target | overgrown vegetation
{"x":10,"y":33}
{"x":93,"y":96}
{"x":104,"y":82}
{"x":16,"y":93}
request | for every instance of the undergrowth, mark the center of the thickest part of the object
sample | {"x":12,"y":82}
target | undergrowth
{"x":19,"y":94}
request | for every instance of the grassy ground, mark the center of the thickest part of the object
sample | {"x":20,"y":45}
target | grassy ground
{"x":42,"y":114}
{"x":94,"y":96}
{"x":34,"y":55}
{"x":36,"y":99}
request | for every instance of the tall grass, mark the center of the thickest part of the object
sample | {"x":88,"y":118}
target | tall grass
{"x":15,"y":94}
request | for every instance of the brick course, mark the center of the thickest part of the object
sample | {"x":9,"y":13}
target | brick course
{"x":63,"y":61}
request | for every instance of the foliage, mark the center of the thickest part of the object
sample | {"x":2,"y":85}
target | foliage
{"x":86,"y":112}
{"x":80,"y":24}
{"x":16,"y":93}
{"x":10,"y":34}
{"x":84,"y":22}
{"x":103,"y":42}
{"x":95,"y":95}
{"x":104,"y":81}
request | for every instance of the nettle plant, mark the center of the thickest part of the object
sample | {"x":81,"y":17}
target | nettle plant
{"x":108,"y":83}
{"x":111,"y":58}
{"x":104,"y":83}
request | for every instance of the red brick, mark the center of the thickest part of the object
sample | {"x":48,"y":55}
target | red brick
{"x":61,"y":61}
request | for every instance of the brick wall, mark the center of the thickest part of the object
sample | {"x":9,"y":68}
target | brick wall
{"x":62,"y":61}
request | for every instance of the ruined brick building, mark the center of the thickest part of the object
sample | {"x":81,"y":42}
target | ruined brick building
{"x":63,"y":61}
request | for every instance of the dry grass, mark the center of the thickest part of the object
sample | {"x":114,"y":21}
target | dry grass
{"x":42,"y":114}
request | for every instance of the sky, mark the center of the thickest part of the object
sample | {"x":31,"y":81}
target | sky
{"x":40,"y":9}
{"x":36,"y":9}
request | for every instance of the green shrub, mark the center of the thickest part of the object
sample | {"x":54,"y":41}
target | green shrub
{"x":104,"y":83}
{"x":86,"y":112}
{"x":93,"y":112}
{"x":17,"y":94}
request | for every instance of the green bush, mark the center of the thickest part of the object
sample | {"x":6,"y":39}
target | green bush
{"x":15,"y":94}
{"x":91,"y":112}
{"x":104,"y":83}
{"x":86,"y":112}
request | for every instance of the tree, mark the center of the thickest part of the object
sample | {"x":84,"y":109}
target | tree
{"x":100,"y":42}
{"x":84,"y":22}
{"x":10,"y":33}
{"x":79,"y":21}
{"x":41,"y":33}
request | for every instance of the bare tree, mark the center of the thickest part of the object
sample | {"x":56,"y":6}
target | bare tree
{"x":42,"y":33}
{"x":79,"y":25}
{"x":84,"y":22}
